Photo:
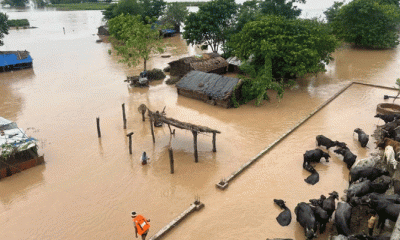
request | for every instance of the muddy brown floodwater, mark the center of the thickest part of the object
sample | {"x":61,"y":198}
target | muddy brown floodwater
{"x":89,"y":186}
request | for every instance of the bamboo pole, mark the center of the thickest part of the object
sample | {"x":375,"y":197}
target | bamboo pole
{"x":98,"y":127}
{"x":213,"y":142}
{"x":152,"y":129}
{"x":123,"y":115}
{"x":129,"y":135}
{"x":171,"y":159}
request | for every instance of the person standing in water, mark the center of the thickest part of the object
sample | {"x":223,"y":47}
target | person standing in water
{"x":141,"y":225}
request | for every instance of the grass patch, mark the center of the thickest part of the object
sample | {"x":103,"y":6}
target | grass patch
{"x":80,"y":6}
{"x":18,"y":23}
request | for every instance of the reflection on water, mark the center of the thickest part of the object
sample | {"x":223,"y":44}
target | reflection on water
{"x":89,"y":184}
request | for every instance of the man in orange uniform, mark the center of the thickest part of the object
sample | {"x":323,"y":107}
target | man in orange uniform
{"x":141,"y":225}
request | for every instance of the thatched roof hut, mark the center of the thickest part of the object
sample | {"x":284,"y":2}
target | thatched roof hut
{"x":209,"y":87}
{"x":208,"y":62}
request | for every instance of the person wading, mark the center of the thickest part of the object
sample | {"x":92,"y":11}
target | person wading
{"x":141,"y":225}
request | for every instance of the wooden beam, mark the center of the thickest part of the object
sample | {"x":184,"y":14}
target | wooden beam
{"x":213,"y":142}
{"x":196,"y":156}
{"x":152,"y":130}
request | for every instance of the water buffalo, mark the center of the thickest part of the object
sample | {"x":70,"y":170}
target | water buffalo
{"x":348,"y":157}
{"x":395,"y":198}
{"x":366,"y":162}
{"x":314,"y":177}
{"x":363,"y":138}
{"x":389,"y":142}
{"x":370,"y":173}
{"x":358,"y":189}
{"x":318,"y":202}
{"x":321,"y":217}
{"x":387,"y":117}
{"x":381,"y":184}
{"x":314,"y":156}
{"x":390,"y":157}
{"x":342,"y":218}
{"x":385,"y":210}
{"x":305,"y":216}
{"x":285,"y":217}
{"x":329,"y":204}
{"x":326,"y":142}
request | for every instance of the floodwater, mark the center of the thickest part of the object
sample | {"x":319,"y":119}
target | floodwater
{"x":88,"y":186}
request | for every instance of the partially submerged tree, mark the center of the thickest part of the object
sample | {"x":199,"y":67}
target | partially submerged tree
{"x":368,"y":23}
{"x":281,"y":49}
{"x":175,"y":14}
{"x":148,"y":9}
{"x":331,"y":12}
{"x":3,"y":27}
{"x":135,"y":40}
{"x":211,"y":25}
{"x":284,"y":8}
{"x":15,"y":3}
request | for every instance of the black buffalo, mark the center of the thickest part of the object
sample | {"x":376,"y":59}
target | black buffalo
{"x":387,"y":117}
{"x":305,"y":216}
{"x":329,"y":204}
{"x":314,"y":156}
{"x":342,"y":218}
{"x":285,"y":217}
{"x":314,"y":177}
{"x":348,"y":157}
{"x":370,"y":173}
{"x":363,"y":138}
{"x":385,"y":210}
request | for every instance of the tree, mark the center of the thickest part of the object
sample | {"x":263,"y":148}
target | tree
{"x":146,"y":8}
{"x":368,"y":23}
{"x":281,"y":8}
{"x":281,"y":48}
{"x":3,"y":26}
{"x":175,"y":15}
{"x":15,"y":3}
{"x":331,"y":12}
{"x":135,"y":40}
{"x":211,"y":25}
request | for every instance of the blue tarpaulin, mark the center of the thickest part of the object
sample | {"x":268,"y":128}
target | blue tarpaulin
{"x":14,"y":58}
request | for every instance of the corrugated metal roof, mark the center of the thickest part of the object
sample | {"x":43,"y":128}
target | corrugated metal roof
{"x":14,"y":57}
{"x":210,"y":84}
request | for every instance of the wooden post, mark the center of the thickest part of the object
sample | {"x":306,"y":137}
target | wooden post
{"x":213,"y":141}
{"x":196,"y":157}
{"x":152,"y":130}
{"x":123,"y":115}
{"x":98,"y":127}
{"x":129,"y":135}
{"x":143,"y":112}
{"x":171,"y":159}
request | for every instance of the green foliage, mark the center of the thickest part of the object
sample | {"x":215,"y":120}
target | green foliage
{"x":18,"y":23}
{"x":71,"y":1}
{"x":81,"y":6}
{"x":15,"y":3}
{"x":331,"y":12}
{"x":283,"y":8}
{"x":135,"y":40}
{"x":174,"y":15}
{"x":212,"y":24}
{"x":155,"y":74}
{"x":148,"y":9}
{"x":368,"y":23}
{"x":281,"y":48}
{"x":3,"y":26}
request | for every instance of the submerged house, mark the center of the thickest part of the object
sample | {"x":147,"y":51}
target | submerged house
{"x":12,"y":60}
{"x":209,"y":87}
{"x":208,"y":62}
{"x":17,"y":151}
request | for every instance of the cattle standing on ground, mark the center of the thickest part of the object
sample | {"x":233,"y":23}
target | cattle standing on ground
{"x":389,"y":142}
{"x":387,"y":117}
{"x":314,"y":156}
{"x":348,"y":157}
{"x":390,"y":156}
{"x":358,"y":189}
{"x":363,"y":138}
{"x":385,"y":210}
{"x":370,"y":173}
{"x":342,"y":218}
{"x":305,"y":216}
{"x":381,"y":184}
{"x":329,"y":204}
{"x":285,"y":217}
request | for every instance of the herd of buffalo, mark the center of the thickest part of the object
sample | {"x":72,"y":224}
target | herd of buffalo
{"x":369,"y":180}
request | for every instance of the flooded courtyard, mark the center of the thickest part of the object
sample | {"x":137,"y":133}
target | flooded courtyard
{"x":89,"y":185}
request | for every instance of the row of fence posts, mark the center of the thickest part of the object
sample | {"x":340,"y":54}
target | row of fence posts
{"x":129,"y":135}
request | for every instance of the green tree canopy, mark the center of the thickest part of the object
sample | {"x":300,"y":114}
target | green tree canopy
{"x":331,"y":12}
{"x":368,"y":23}
{"x":175,"y":14}
{"x":15,"y":3}
{"x":212,"y":24}
{"x":135,"y":40}
{"x":146,"y":8}
{"x":3,"y":27}
{"x":281,"y":48}
{"x":284,"y":8}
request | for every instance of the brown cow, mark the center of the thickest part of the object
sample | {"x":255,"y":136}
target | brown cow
{"x":389,"y":142}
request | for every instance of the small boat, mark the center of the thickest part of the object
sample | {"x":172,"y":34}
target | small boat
{"x":14,"y":60}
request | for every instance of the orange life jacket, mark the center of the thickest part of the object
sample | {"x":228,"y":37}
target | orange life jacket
{"x":141,"y":224}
